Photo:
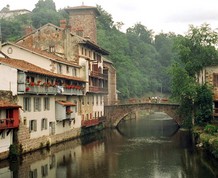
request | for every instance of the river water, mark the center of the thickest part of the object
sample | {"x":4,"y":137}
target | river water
{"x":149,"y":147}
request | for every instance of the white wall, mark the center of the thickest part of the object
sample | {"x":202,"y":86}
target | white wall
{"x":17,"y":53}
{"x":6,"y":141}
{"x":8,"y":79}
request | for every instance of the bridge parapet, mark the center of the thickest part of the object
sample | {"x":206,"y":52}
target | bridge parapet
{"x":115,"y":113}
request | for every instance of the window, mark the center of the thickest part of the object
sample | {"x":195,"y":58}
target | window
{"x":52,"y":161}
{"x":37,"y":104}
{"x":75,"y":102}
{"x":33,"y":173}
{"x":215,"y":80}
{"x":51,"y":128}
{"x":33,"y":126}
{"x":59,"y":69}
{"x":67,"y":69}
{"x":46,"y":103}
{"x":44,"y":170}
{"x":44,"y":124}
{"x":27,"y":104}
{"x":2,"y":135}
{"x":51,"y":49}
{"x":82,"y":100}
{"x":88,"y":100}
{"x":93,"y":99}
{"x":74,"y":73}
{"x":96,"y":100}
{"x":101,"y":100}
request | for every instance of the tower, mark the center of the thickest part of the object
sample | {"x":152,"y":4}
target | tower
{"x":82,"y":20}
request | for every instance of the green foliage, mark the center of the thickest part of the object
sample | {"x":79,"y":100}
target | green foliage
{"x":211,"y":129}
{"x":196,"y":50}
{"x":203,"y":105}
{"x":13,"y":29}
{"x":44,"y":12}
{"x":140,"y":58}
{"x":14,"y":152}
{"x":141,"y":64}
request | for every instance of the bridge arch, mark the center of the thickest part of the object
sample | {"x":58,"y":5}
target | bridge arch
{"x":115,"y":113}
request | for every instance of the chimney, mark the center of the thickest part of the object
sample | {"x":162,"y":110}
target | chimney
{"x":63,"y":23}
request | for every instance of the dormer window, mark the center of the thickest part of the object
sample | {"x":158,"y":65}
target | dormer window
{"x":51,"y":49}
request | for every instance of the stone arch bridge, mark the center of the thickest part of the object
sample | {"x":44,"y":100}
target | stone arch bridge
{"x":115,"y":113}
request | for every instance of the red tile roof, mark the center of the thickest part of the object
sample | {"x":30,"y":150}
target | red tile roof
{"x":28,"y":67}
{"x":7,"y":104}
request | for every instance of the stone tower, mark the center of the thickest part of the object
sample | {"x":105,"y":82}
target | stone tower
{"x":82,"y":20}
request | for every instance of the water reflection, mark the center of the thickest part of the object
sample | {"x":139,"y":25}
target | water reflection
{"x":140,"y":148}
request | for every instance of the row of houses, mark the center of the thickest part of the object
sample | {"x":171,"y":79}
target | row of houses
{"x":54,"y":83}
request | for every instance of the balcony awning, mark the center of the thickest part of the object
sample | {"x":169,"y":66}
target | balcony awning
{"x":7,"y":104}
{"x":65,"y":103}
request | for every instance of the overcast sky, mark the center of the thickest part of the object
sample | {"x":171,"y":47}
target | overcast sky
{"x":157,"y":15}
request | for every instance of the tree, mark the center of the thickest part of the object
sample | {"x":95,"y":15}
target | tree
{"x":196,"y":51}
{"x":45,"y":12}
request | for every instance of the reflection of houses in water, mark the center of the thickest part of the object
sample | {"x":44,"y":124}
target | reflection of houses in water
{"x":62,"y":160}
{"x":5,"y":170}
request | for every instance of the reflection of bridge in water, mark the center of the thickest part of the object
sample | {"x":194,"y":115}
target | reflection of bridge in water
{"x":115,"y":113}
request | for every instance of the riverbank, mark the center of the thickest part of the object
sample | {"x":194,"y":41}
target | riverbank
{"x":207,"y":138}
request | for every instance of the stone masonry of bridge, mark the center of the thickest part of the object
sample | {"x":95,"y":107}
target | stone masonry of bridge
{"x":115,"y":113}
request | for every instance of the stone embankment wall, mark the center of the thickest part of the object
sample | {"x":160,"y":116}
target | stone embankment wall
{"x":29,"y":145}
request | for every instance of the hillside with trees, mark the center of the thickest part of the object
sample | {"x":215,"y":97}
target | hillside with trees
{"x":142,"y":59}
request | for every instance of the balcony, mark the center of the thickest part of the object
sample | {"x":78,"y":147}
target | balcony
{"x":40,"y":84}
{"x":98,"y":75}
{"x":8,"y":123}
{"x":89,"y":123}
{"x":52,"y":90}
{"x":96,"y":89}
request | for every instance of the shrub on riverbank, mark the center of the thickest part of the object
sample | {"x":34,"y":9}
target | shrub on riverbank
{"x":207,"y":137}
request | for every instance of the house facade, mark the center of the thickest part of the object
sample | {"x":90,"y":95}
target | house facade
{"x":9,"y":121}
{"x":60,"y":79}
{"x":6,"y":13}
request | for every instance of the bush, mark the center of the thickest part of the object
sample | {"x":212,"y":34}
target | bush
{"x":210,"y":129}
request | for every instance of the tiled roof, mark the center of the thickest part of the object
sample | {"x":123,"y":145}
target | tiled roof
{"x":82,"y":7}
{"x":46,"y":54}
{"x":28,"y":67}
{"x":7,"y":104}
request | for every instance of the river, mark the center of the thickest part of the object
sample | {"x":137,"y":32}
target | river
{"x":149,"y":147}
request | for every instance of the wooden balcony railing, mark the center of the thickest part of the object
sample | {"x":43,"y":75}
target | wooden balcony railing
{"x":25,"y":88}
{"x":89,"y":123}
{"x":93,"y":122}
{"x":98,"y":75}
{"x":96,"y":89}
{"x":8,"y":123}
